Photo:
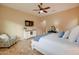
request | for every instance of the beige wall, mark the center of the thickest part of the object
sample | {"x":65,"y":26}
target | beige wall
{"x":12,"y":21}
{"x":63,"y":20}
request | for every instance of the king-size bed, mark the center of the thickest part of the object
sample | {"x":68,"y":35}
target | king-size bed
{"x":52,"y":44}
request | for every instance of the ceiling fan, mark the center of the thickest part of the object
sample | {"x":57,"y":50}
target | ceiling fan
{"x":41,"y":9}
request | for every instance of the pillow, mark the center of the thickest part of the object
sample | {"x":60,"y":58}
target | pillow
{"x":74,"y":33}
{"x":37,"y":38}
{"x":66,"y":34}
{"x":4,"y":37}
{"x":13,"y":37}
{"x":60,"y":34}
{"x":77,"y":40}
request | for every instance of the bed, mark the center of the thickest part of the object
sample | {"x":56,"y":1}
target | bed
{"x":52,"y":44}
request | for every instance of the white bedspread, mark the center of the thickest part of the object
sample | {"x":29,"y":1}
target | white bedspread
{"x":52,"y":44}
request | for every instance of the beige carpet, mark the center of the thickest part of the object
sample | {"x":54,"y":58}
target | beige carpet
{"x":22,"y":47}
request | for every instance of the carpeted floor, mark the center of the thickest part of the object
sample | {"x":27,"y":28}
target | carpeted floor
{"x":22,"y":47}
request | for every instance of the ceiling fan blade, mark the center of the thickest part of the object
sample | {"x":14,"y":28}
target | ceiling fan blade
{"x":40,"y":7}
{"x":44,"y":11}
{"x":35,"y":9}
{"x":47,"y":8}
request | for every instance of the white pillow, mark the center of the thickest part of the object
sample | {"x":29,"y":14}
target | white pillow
{"x":66,"y":34}
{"x":4,"y":37}
{"x":74,"y":33}
{"x":77,"y":39}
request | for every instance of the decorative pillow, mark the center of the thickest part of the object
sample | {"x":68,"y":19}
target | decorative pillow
{"x":74,"y":33}
{"x":77,"y":40}
{"x":37,"y":38}
{"x":66,"y":35}
{"x":60,"y":34}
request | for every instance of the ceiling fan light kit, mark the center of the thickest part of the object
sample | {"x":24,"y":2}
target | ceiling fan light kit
{"x":41,"y":11}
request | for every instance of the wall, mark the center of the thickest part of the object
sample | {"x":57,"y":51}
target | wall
{"x":63,"y":20}
{"x":12,"y":21}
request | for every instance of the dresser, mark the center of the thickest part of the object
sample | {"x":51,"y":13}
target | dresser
{"x":29,"y":33}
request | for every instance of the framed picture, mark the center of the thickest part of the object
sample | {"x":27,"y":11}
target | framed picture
{"x":29,"y":23}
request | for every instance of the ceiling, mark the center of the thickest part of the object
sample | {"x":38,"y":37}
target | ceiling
{"x":28,"y":7}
